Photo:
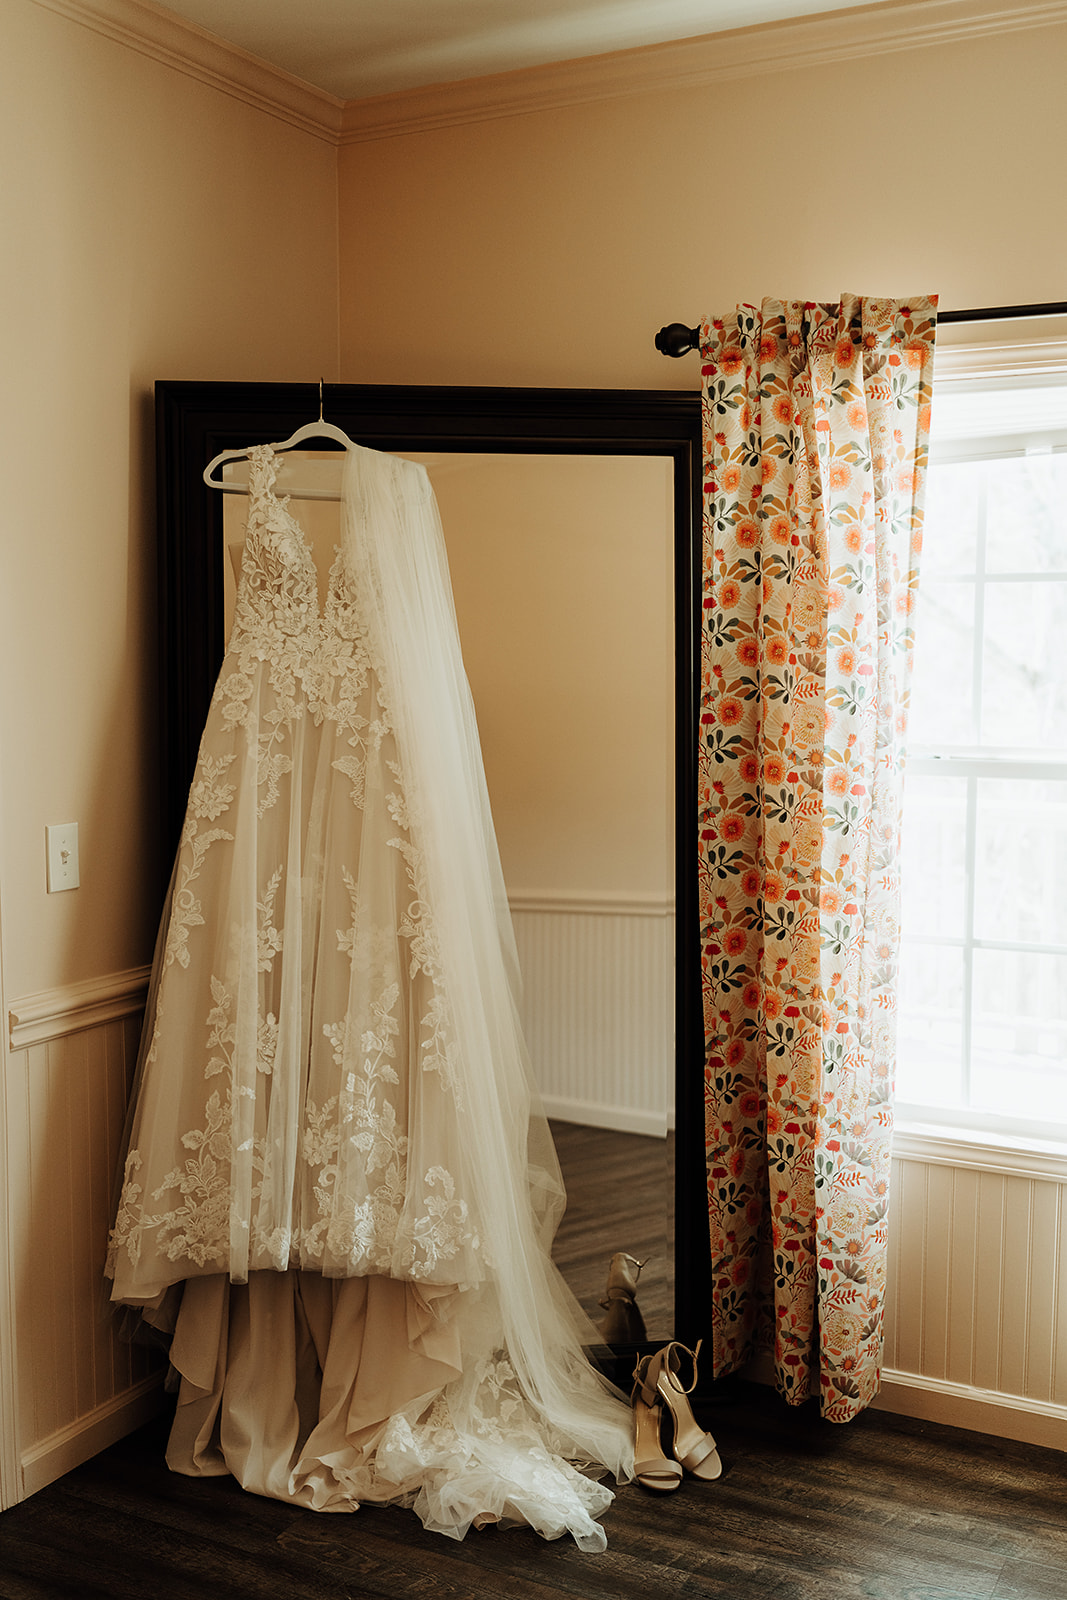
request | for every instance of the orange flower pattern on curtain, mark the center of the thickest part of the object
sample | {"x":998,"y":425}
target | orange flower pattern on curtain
{"x":816,"y":421}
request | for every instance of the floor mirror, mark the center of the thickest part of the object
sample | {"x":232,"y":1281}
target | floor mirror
{"x":571,"y":520}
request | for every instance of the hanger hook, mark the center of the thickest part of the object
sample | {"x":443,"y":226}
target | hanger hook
{"x":320,"y":399}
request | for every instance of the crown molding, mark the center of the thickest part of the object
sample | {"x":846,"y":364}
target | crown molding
{"x":692,"y":63}
{"x":153,"y":31}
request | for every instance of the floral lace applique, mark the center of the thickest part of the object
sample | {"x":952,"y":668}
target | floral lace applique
{"x":440,"y":1052}
{"x":366,"y":1230}
{"x":199,"y":1229}
{"x":445,"y":1228}
{"x":266,"y":1044}
{"x":438,"y":1048}
{"x":268,"y":938}
{"x":273,"y":764}
{"x":222,"y":1033}
{"x":129,"y":1219}
{"x":209,"y":797}
{"x":186,"y":911}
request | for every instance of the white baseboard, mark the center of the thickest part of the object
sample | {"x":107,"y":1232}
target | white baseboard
{"x":68,"y":1447}
{"x":958,"y":1405}
{"x":961,"y":1405}
{"x":594,"y":1115}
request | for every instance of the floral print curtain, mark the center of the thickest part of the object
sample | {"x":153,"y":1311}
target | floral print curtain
{"x":816,"y":420}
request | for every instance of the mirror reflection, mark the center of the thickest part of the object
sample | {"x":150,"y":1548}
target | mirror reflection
{"x":562,"y":574}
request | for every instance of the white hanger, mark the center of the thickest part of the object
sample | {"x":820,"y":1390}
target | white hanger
{"x":308,"y":430}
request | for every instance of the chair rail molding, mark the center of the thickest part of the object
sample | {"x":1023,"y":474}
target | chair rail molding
{"x":73,"y":1006}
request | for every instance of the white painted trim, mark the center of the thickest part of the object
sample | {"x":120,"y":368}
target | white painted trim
{"x":151,"y":30}
{"x":1007,"y":1155}
{"x":68,"y":1447}
{"x":10,"y":1464}
{"x":962,"y":363}
{"x":691,"y":63}
{"x":157,"y":33}
{"x":592,"y":1114}
{"x":961,"y":1405}
{"x":605,"y":903}
{"x":55,"y":1012}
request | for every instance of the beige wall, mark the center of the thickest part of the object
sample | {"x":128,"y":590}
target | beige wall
{"x":152,"y":228}
{"x":561,"y":569}
{"x":548,"y":248}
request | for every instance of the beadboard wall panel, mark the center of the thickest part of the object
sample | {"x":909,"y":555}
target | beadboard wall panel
{"x":976,"y":1316}
{"x":80,"y":1385}
{"x":598,"y":1008}
{"x":976,"y":1330}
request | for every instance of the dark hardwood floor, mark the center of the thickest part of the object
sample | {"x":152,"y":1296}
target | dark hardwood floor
{"x":620,"y":1196}
{"x":883,"y":1509}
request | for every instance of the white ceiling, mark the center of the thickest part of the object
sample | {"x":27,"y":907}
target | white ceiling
{"x":355,"y":48}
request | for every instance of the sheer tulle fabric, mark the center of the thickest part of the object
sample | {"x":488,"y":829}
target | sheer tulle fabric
{"x":334,"y":1083}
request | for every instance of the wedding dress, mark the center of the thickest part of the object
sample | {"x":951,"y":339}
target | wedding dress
{"x":338,"y":1200}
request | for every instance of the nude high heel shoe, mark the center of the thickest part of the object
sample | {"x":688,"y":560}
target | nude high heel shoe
{"x":661,"y":1380}
{"x":652,"y":1469}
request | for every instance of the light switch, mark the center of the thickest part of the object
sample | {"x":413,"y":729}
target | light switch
{"x":62,"y":841}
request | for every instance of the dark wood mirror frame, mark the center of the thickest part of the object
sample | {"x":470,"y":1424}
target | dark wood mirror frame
{"x":194,"y":421}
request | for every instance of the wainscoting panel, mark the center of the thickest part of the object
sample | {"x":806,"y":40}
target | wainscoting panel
{"x":80,"y":1386}
{"x":598,"y":1007}
{"x":976,"y":1325}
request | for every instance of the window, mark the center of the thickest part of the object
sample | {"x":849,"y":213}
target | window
{"x":982,"y":1036}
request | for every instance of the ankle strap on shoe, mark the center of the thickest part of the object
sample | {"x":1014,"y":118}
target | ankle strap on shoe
{"x":671,"y":1360}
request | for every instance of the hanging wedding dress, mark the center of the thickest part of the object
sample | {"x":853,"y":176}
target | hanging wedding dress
{"x":337,"y":1199}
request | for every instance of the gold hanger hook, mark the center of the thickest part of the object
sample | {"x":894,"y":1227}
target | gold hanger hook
{"x":320,"y":399}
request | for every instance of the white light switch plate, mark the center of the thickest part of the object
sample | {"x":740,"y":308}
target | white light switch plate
{"x":62,"y":841}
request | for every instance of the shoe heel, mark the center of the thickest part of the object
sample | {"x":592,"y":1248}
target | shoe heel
{"x":694,"y":1449}
{"x":652,"y":1468}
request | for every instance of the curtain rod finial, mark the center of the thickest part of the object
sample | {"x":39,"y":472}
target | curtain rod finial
{"x":677,"y":340}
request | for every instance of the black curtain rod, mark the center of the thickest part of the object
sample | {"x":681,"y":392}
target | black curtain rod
{"x":677,"y":340}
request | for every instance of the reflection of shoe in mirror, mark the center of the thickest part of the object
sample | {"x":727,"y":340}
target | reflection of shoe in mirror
{"x":624,"y":1323}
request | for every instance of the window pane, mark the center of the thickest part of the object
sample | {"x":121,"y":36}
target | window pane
{"x":951,"y":518}
{"x":934,"y":868}
{"x":1020,"y":887}
{"x":1019,"y":1040}
{"x":1026,"y":530}
{"x":930,"y":1025}
{"x":1024,"y":686}
{"x":942,"y":695}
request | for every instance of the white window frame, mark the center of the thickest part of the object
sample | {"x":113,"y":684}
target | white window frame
{"x":955,"y":1135}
